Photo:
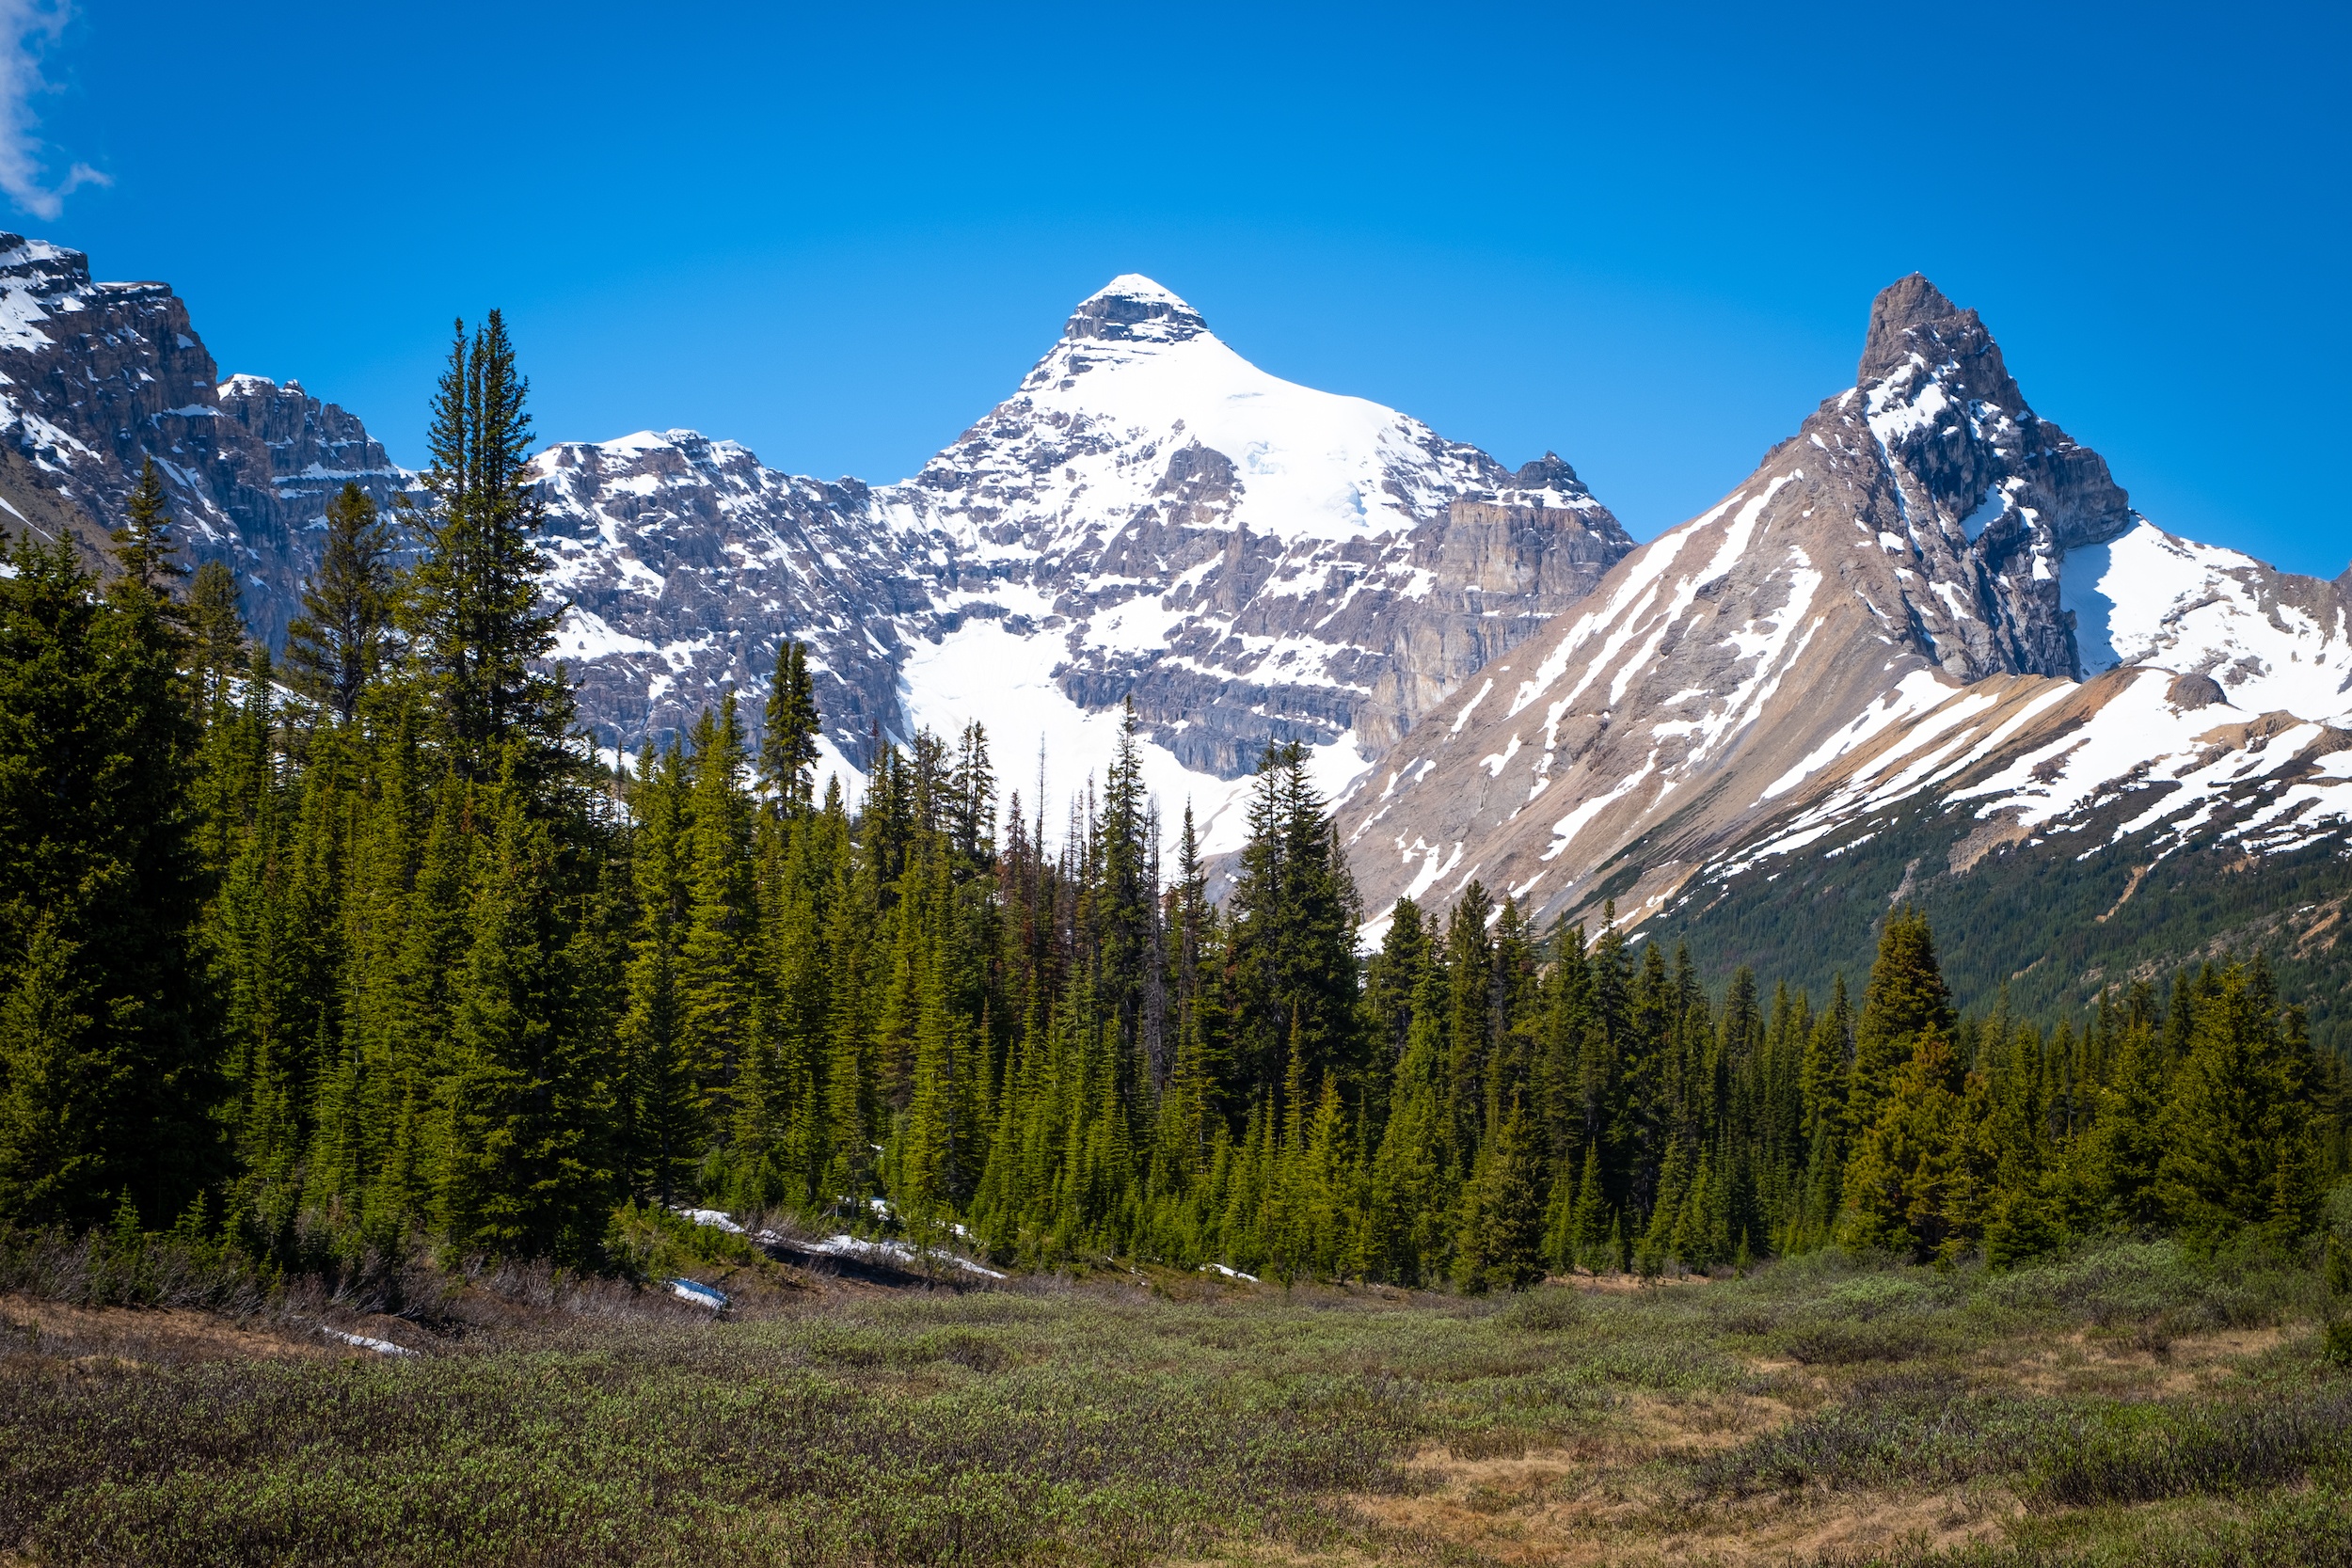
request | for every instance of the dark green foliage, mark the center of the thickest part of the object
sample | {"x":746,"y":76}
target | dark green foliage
{"x":106,"y":1043}
{"x":472,"y":605}
{"x":2042,"y":920}
{"x":145,"y":554}
{"x":340,"y":642}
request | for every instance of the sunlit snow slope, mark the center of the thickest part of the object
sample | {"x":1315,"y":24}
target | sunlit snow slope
{"x":1149,"y":517}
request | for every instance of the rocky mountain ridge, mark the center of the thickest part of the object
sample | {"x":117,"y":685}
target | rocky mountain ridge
{"x":1147,"y":517}
{"x":95,"y":377}
{"x":1928,"y":647}
{"x":1893,"y":616}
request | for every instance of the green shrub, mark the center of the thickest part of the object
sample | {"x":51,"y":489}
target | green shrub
{"x":646,"y":1241}
{"x":1545,"y":1311}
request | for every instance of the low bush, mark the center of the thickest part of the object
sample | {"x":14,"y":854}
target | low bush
{"x":1849,"y":1342}
{"x":2138,"y":1453}
{"x":1545,"y":1311}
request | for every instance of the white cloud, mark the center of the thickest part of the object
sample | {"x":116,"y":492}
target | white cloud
{"x":25,"y":26}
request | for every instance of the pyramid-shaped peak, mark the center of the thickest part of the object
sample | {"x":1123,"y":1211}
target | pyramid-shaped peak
{"x":1132,"y":307}
{"x":1134,"y":285}
{"x":1909,"y":316}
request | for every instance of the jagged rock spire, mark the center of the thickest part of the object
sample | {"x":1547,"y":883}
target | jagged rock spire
{"x":1912,"y":315}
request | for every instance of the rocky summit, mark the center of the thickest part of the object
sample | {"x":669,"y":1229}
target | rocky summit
{"x":1929,"y":618}
{"x":1147,"y":518}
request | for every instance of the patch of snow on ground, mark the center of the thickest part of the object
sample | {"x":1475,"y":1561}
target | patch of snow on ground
{"x":895,"y":1254}
{"x":2082,"y":588}
{"x":2189,"y":607}
{"x":715,"y":1218}
{"x":1915,"y":693}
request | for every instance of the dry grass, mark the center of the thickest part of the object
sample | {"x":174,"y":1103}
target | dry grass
{"x":2116,"y":1407}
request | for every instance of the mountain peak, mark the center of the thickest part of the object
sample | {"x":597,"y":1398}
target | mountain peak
{"x":1132,"y":307}
{"x":1909,"y":316}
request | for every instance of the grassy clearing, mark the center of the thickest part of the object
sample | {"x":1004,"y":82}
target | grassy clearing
{"x":2122,"y":1406}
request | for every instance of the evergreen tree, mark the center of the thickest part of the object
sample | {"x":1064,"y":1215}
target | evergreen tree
{"x":787,"y":745}
{"x":718,"y":981}
{"x":2239,"y":1147}
{"x":521,"y":1173}
{"x":1899,"y":1186}
{"x":1503,"y":1247}
{"x":145,"y":554}
{"x":472,"y":603}
{"x":217,"y":634}
{"x":340,"y":642}
{"x":1292,"y":959}
{"x":2118,"y":1160}
{"x":1906,"y":997}
{"x":100,"y":890}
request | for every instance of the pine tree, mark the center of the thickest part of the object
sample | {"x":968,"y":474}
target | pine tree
{"x":787,"y":745}
{"x":101,"y":886}
{"x":1470,"y":966}
{"x":718,"y":981}
{"x":659,"y":1127}
{"x":55,"y":1080}
{"x":216,"y":633}
{"x":1412,"y":1173}
{"x":1293,"y":929}
{"x":1906,"y":996}
{"x":145,"y":555}
{"x":521,"y":1174}
{"x":341,"y":641}
{"x":1593,"y":1216}
{"x":1509,"y":1204}
{"x":2117,"y":1162}
{"x":2239,"y":1147}
{"x":1899,"y":1186}
{"x":472,"y":604}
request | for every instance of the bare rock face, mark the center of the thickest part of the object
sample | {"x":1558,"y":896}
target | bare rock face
{"x":102,"y":376}
{"x":1149,"y":517}
{"x":685,"y":562}
{"x":1924,"y":535}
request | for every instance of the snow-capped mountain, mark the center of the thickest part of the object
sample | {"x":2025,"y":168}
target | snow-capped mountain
{"x":94,"y":377}
{"x":1148,"y":516}
{"x":1896,"y":613}
{"x":1928,"y":647}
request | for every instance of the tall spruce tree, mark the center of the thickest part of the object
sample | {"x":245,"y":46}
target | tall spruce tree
{"x":472,"y":604}
{"x":336,"y":647}
{"x":1905,"y":997}
{"x":1292,"y":934}
{"x":787,"y":743}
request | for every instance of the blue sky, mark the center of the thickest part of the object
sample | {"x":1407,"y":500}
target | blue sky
{"x":1644,"y":237}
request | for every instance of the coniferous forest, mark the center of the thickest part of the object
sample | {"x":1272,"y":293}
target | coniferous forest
{"x":359,"y":951}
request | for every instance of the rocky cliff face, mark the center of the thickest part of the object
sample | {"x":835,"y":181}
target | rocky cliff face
{"x":1149,"y":516}
{"x":1922,"y":572}
{"x":101,"y":376}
